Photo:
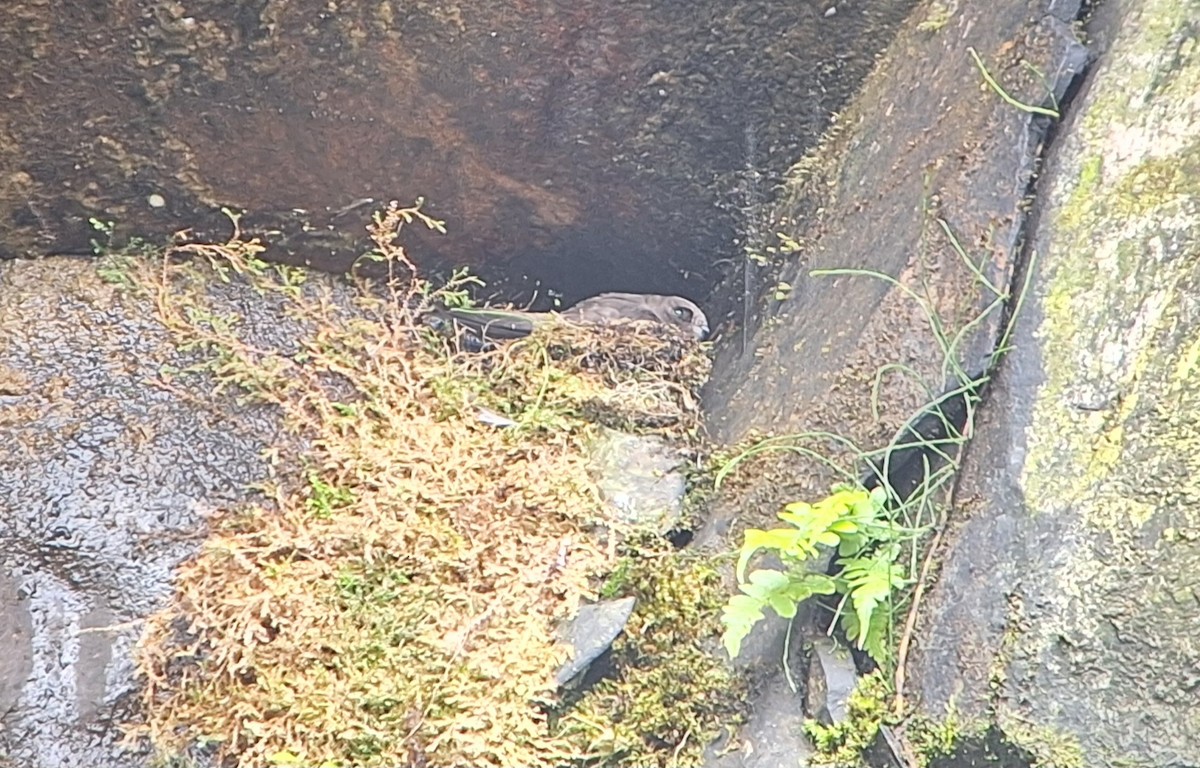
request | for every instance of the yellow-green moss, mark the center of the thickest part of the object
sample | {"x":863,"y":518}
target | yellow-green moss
{"x":952,"y":738}
{"x":674,"y":693}
{"x":1105,"y":280}
{"x":930,"y":738}
{"x":842,"y":745}
{"x":1048,"y":747}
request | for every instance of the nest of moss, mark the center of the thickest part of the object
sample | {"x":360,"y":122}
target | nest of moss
{"x":634,"y":377}
{"x":396,"y":603}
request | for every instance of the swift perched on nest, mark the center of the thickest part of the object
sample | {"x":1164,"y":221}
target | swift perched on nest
{"x":488,"y":326}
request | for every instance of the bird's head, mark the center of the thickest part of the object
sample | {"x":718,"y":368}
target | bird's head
{"x":684,"y":313}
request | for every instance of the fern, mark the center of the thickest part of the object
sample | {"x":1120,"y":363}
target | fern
{"x":875,"y":640}
{"x":870,"y":581}
{"x":781,"y":592}
{"x":854,"y":521}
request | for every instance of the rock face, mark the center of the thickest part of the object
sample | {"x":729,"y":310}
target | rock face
{"x":910,"y":176}
{"x":591,"y":632}
{"x":1065,"y":614}
{"x":640,"y":478}
{"x":583,"y":143}
{"x":1069,"y":598}
{"x":1067,"y":603}
{"x":108,"y":467}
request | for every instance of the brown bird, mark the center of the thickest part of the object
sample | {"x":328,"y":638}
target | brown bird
{"x":491,"y":325}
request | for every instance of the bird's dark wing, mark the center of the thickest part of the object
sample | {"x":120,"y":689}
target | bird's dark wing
{"x":486,"y":324}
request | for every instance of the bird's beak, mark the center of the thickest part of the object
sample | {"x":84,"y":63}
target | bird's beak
{"x":702,"y":333}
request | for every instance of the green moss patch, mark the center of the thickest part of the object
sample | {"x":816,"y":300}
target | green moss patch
{"x":672,"y":695}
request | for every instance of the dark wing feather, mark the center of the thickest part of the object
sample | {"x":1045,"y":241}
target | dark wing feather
{"x":488,"y":324}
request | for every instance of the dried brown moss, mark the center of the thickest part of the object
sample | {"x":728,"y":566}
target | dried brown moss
{"x":396,"y":603}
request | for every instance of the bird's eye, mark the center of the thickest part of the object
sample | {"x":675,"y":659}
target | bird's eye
{"x":683,"y":313}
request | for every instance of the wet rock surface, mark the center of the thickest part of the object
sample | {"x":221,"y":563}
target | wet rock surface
{"x":926,"y":160}
{"x":1070,"y":572}
{"x":1060,"y":615}
{"x":1069,"y":583}
{"x":108,"y":470}
{"x":640,"y":479}
{"x":590,"y":633}
{"x":831,"y":678}
{"x":903,"y":160}
{"x":1068,"y":598}
{"x":772,"y":735}
{"x":771,"y":739}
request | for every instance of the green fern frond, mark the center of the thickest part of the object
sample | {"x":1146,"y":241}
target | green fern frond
{"x":854,"y":521}
{"x":781,"y":592}
{"x":875,"y":640}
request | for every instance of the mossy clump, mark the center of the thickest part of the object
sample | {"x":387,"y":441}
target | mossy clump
{"x":394,"y":600}
{"x":1046,"y":747}
{"x":982,"y":741}
{"x":672,"y":693}
{"x":842,"y":744}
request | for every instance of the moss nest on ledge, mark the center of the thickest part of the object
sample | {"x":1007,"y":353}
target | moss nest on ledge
{"x":393,"y":596}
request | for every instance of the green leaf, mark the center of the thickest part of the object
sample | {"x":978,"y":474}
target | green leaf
{"x":870,"y":582}
{"x":744,"y":605}
{"x":798,"y":509}
{"x":780,"y":540}
{"x":816,"y":584}
{"x":828,"y":539}
{"x":757,"y":591}
{"x":812,"y":526}
{"x":852,"y":544}
{"x":783,"y":605}
{"x":739,"y":617}
{"x":770,"y":580}
{"x":844,"y":526}
{"x":875,"y":640}
{"x":765,"y":588}
{"x":775,"y":589}
{"x":853,"y":521}
{"x":869,"y":506}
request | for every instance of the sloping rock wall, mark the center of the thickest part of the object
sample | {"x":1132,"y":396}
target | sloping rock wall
{"x":110,"y":462}
{"x":1070,"y":597}
{"x":1066,"y":609}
